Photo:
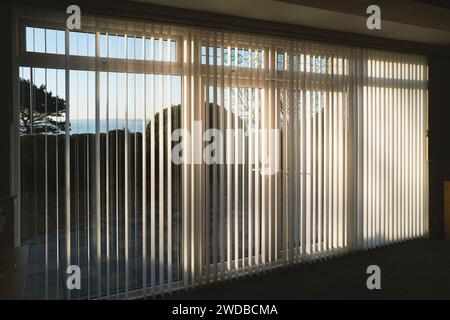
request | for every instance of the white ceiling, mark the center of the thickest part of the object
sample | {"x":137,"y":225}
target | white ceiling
{"x":326,"y":14}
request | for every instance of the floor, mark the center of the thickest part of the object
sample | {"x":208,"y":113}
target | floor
{"x":416,"y":269}
{"x":51,"y":284}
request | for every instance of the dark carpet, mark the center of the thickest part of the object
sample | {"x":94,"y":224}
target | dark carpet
{"x":416,"y":269}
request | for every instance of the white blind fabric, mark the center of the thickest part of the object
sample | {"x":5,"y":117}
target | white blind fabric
{"x":291,"y":151}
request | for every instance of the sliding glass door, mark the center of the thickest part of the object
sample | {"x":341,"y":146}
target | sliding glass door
{"x":158,"y":157}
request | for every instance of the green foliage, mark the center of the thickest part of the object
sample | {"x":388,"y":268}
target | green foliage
{"x":45,"y":111}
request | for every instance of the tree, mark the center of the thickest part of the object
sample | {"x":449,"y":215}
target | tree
{"x":43,"y":112}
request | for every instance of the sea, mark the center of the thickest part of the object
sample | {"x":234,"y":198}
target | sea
{"x":88,"y":125}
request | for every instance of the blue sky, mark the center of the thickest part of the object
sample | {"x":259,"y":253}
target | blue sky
{"x":112,"y":91}
{"x":112,"y":85}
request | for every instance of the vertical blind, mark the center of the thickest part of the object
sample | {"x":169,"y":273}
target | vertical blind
{"x":317,"y":149}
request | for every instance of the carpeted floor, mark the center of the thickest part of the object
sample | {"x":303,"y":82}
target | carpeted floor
{"x":416,"y":269}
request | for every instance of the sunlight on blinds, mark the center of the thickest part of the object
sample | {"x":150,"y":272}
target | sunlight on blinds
{"x":288,"y":150}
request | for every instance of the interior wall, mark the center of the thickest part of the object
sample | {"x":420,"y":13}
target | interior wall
{"x":6,"y":87}
{"x":6,"y":94}
{"x":439,"y":139}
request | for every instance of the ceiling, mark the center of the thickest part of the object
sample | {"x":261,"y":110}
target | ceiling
{"x":409,"y":20}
